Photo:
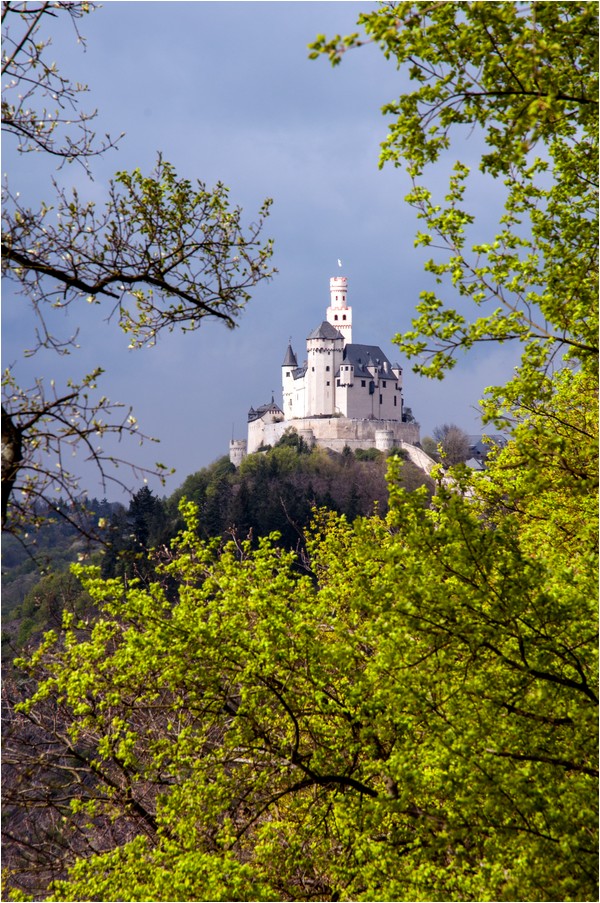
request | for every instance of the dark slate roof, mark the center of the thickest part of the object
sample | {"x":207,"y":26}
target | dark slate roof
{"x":290,"y":358}
{"x":479,"y":446}
{"x":270,"y":408}
{"x":363,"y":356}
{"x":360,"y":354}
{"x":325,"y":331}
{"x":475,"y":464}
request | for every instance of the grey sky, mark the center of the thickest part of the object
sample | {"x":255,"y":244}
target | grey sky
{"x":226,"y":92}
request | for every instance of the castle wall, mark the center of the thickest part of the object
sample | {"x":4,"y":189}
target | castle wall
{"x":336,"y":432}
{"x":354,"y":400}
{"x":256,"y":431}
{"x":294,"y":393}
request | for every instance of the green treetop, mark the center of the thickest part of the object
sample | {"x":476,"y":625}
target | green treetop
{"x":523,"y":80}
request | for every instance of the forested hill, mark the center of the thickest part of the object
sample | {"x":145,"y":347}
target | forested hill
{"x":65,"y":534}
{"x":278,"y":489}
{"x":273,"y":491}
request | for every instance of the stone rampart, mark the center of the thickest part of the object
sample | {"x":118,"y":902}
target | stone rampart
{"x":337,"y":432}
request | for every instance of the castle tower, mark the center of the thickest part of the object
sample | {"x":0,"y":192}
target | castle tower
{"x":238,"y":449}
{"x":325,"y":351}
{"x":338,"y":312}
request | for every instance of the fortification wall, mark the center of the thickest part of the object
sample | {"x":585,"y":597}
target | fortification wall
{"x":337,"y":432}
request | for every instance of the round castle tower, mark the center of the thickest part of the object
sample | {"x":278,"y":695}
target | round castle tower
{"x":238,"y":449}
{"x":338,"y":312}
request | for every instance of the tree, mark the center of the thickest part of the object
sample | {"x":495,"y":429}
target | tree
{"x":523,"y":78}
{"x":415,"y":718}
{"x":130,"y":535}
{"x":454,"y":443}
{"x":430,"y":447}
{"x":163,"y":253}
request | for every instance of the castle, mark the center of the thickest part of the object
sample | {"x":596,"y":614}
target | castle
{"x":344,"y":394}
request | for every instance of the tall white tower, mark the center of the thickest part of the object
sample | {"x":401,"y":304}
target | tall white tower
{"x":338,"y":312}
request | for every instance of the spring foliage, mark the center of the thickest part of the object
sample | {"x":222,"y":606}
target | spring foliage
{"x":410,"y":716}
{"x":522,"y":78}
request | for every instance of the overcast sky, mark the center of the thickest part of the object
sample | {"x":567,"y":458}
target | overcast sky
{"x":226,"y":91}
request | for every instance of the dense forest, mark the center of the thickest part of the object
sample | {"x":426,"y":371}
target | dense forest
{"x":278,"y":490}
{"x":329,"y":677}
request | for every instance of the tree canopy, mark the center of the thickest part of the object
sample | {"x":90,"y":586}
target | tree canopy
{"x":411,"y":714}
{"x":523,"y":78}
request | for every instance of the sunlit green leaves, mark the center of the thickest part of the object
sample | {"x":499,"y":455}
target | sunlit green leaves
{"x":414,"y":717}
{"x":523,"y":78}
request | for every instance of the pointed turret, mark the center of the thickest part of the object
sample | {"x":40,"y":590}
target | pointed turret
{"x":290,"y":358}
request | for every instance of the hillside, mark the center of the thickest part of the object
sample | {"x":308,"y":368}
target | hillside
{"x":273,"y":491}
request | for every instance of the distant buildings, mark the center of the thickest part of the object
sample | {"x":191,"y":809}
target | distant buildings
{"x":479,"y":448}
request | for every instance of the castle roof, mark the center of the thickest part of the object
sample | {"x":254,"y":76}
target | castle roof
{"x":363,"y":356}
{"x":325,"y":331}
{"x":479,"y":446}
{"x":270,"y":408}
{"x":290,"y":358}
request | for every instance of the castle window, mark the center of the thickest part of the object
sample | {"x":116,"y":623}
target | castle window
{"x":288,"y":373}
{"x":327,"y":367}
{"x":328,"y":383}
{"x":335,"y":316}
{"x":344,"y":317}
{"x":338,"y":383}
{"x":381,"y":399}
{"x":395,"y":400}
{"x":363,"y":383}
{"x":313,"y":369}
{"x":384,"y":384}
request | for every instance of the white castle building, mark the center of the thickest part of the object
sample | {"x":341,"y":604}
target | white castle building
{"x":343,"y":394}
